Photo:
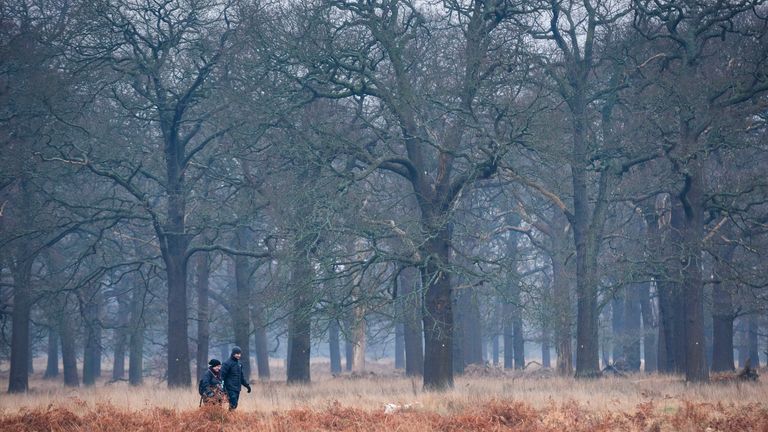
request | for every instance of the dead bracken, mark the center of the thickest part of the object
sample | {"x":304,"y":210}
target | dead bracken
{"x":498,"y":415}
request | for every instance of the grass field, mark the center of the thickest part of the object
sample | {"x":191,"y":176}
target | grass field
{"x":485,"y":399}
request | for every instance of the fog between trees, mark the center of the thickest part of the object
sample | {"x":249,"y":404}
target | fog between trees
{"x":182,"y":175}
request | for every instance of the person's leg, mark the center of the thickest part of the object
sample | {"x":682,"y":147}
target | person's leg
{"x":233,"y":397}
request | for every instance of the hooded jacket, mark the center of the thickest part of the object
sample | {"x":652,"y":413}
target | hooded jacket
{"x":209,"y":379}
{"x":232,"y":375}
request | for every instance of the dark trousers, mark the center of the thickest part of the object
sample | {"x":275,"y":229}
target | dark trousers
{"x":233,"y":397}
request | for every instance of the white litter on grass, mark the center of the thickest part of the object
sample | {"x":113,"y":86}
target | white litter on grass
{"x":391,"y":408}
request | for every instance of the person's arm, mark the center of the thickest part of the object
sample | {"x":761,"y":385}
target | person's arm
{"x":243,"y":382}
{"x":208,"y":383}
{"x":224,"y":371}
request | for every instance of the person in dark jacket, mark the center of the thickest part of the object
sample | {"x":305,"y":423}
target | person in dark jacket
{"x":210,"y":388}
{"x":233,"y":377}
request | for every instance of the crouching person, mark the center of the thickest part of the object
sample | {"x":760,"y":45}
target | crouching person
{"x":211,"y":386}
{"x":233,"y":377}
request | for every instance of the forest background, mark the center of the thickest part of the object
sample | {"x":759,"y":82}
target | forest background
{"x":443,"y":183}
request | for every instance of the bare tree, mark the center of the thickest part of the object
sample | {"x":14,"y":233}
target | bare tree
{"x":686,"y":34}
{"x":163,"y":58}
{"x":575,"y":29}
{"x":381,"y":66}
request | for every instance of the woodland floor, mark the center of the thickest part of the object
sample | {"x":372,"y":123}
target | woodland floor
{"x":484,"y":399}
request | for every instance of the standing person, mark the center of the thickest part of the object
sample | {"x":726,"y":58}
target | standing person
{"x":210,"y":387}
{"x":232,"y":375}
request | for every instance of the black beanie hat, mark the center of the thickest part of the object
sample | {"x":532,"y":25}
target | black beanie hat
{"x":236,"y":350}
{"x":214,"y":362}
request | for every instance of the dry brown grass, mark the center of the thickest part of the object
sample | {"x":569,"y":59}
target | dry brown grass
{"x":485,"y":400}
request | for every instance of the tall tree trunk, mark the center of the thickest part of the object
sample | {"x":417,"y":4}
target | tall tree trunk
{"x":604,"y":335}
{"x":632,"y":327}
{"x":515,"y":321}
{"x":299,"y":342}
{"x":414,"y":348}
{"x":585,"y":237}
{"x":136,"y":357}
{"x":662,"y":358}
{"x":334,"y":347}
{"x":722,"y":331}
{"x":359,"y":340}
{"x":399,"y":322}
{"x":669,"y":302}
{"x":458,"y":332}
{"x":650,"y":329}
{"x":692,"y":200}
{"x":359,"y":325}
{"x":202,"y":274}
{"x":438,"y":312}
{"x":561,"y":298}
{"x":92,"y":348}
{"x":118,"y":364}
{"x":562,"y":319}
{"x":670,"y":327}
{"x":668,"y":245}
{"x":587,"y":347}
{"x":498,"y":329}
{"x":743,"y":340}
{"x":546,"y":361}
{"x":474,"y":352}
{"x":52,"y":363}
{"x":260,"y":343}
{"x":617,"y":326}
{"x":657,"y":226}
{"x":69,"y":351}
{"x":399,"y":325}
{"x":513,"y":340}
{"x":509,"y":337}
{"x":754,"y":331}
{"x":174,"y":255}
{"x":30,"y":357}
{"x":399,"y":346}
{"x":121,"y":336}
{"x":174,"y":243}
{"x":241,"y":313}
{"x":460,"y":306}
{"x":676,"y":346}
{"x":722,"y":314}
{"x":136,"y":335}
{"x":518,"y":338}
{"x":359,"y":313}
{"x":18,"y":380}
{"x":349,"y":354}
{"x":90,"y":352}
{"x":472,"y":338}
{"x":546,"y":325}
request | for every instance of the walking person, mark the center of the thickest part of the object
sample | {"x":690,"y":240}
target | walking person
{"x":211,"y":386}
{"x":233,"y":378}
